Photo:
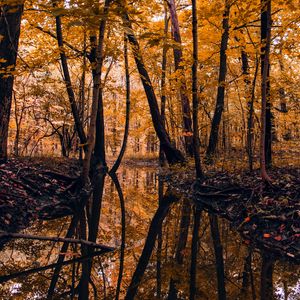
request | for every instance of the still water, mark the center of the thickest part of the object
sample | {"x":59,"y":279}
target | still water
{"x":164,"y":249}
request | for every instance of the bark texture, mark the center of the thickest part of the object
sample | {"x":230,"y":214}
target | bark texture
{"x":185,"y":103}
{"x":10,"y":23}
{"x":214,"y":132}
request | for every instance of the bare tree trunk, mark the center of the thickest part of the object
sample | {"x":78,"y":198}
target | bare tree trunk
{"x":196,"y":142}
{"x":126,"y":131}
{"x":185,"y":104}
{"x":163,"y":81}
{"x":173,"y":155}
{"x":98,"y":176}
{"x":82,"y":89}
{"x":265,"y":54}
{"x":214,"y":132}
{"x":10,"y":23}
{"x":250,"y":126}
{"x":67,"y":79}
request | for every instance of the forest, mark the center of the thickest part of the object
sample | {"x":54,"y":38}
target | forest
{"x":150,"y":149}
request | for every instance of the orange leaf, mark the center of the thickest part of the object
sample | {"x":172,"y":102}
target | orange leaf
{"x":267,"y":235}
{"x":278,"y":238}
{"x":247,"y":219}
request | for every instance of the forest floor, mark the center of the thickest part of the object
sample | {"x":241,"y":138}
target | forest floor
{"x":267,"y":216}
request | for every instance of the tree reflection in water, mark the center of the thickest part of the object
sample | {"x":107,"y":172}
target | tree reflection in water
{"x":162,"y":247}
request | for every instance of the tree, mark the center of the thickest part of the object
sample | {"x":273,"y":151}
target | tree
{"x":173,"y":155}
{"x":214,"y":131}
{"x":67,"y":79}
{"x":265,"y":61}
{"x":10,"y":22}
{"x":195,"y":92}
{"x":185,"y":103}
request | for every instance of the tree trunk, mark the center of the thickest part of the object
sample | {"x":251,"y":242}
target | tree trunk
{"x":185,"y":104}
{"x":10,"y":23}
{"x":70,"y":91}
{"x":196,"y":141}
{"x":163,"y":81}
{"x":250,"y":126}
{"x":96,"y":129}
{"x":173,"y":155}
{"x":214,"y":132}
{"x":126,"y":131}
{"x":265,"y":54}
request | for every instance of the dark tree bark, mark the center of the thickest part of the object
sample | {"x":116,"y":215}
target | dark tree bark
{"x":270,"y":128}
{"x":265,"y":56}
{"x":250,"y":125}
{"x":10,"y":23}
{"x":214,"y":132}
{"x":196,"y":143}
{"x":96,"y":135}
{"x":96,"y":140}
{"x":185,"y":103}
{"x":173,"y":155}
{"x":126,"y":131}
{"x":68,"y":83}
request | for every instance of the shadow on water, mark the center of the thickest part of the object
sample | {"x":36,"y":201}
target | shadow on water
{"x":147,"y":242}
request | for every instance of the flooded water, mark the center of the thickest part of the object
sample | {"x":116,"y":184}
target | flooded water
{"x":163,"y":249}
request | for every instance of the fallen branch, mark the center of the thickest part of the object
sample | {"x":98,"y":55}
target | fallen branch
{"x":54,"y":239}
{"x":58,"y":175}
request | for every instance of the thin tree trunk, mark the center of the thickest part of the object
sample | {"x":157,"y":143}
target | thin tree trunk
{"x":196,"y":141}
{"x":185,"y":104}
{"x":82,"y":89}
{"x":214,"y":132}
{"x":250,"y":127}
{"x":163,"y":81}
{"x":172,"y":154}
{"x":126,"y":131}
{"x":99,"y":155}
{"x":95,"y":102}
{"x":68,"y":83}
{"x":10,"y":23}
{"x":265,"y":53}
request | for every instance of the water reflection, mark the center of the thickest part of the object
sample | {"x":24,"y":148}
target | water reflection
{"x":165,"y":249}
